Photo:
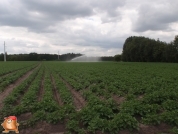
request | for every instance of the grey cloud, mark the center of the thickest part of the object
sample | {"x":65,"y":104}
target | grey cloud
{"x":52,"y":12}
{"x":23,"y":22}
{"x":103,"y":42}
{"x":59,"y":10}
{"x":89,"y":39}
{"x":108,"y":6}
{"x":15,"y":46}
{"x":156,"y":17}
{"x":79,"y":24}
{"x":19,"y":17}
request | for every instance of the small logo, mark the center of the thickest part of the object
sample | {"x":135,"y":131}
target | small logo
{"x":10,"y":124}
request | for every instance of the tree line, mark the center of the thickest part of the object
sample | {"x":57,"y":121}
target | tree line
{"x":135,"y":49}
{"x":142,"y":49}
{"x":38,"y":57}
{"x":47,"y":57}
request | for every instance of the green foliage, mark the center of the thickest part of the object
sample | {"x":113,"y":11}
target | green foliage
{"x":39,"y":115}
{"x":141,"y":49}
{"x":151,"y":119}
{"x":55,"y":117}
{"x":72,"y":126}
{"x":170,"y":105}
{"x":130,"y":97}
{"x":160,"y":96}
{"x":110,"y":103}
{"x":175,"y":130}
{"x":124,"y":121}
{"x":118,"y":57}
{"x":97,"y":124}
{"x":150,"y":91}
{"x":11,"y":78}
{"x":131,"y":107}
{"x":170,"y":117}
{"x":87,"y":115}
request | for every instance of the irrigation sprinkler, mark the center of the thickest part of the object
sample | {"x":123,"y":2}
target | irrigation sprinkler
{"x":4,"y":52}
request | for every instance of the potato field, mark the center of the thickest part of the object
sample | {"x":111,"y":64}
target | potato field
{"x":90,"y":97}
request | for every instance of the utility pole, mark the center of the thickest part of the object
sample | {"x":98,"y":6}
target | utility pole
{"x":58,"y":55}
{"x":4,"y":52}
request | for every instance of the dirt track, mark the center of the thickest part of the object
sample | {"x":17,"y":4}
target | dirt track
{"x":79,"y":101}
{"x":55,"y":92}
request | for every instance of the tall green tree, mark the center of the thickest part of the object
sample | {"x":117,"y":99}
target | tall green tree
{"x":142,"y":49}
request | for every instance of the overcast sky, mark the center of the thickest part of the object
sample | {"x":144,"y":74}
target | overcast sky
{"x":91,"y":27}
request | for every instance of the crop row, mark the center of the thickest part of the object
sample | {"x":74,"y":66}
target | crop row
{"x":46,"y":108}
{"x":150,"y":91}
{"x":29,"y":100}
{"x":17,"y":93}
{"x":8,"y":67}
{"x":64,"y":92}
{"x":13,"y":77}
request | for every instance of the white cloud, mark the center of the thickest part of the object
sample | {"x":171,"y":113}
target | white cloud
{"x":88,"y":27}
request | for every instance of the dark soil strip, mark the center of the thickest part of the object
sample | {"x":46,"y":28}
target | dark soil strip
{"x":118,"y":100}
{"x":44,"y":128}
{"x":25,"y":116}
{"x":148,"y":129}
{"x":41,"y":91}
{"x":9,"y":89}
{"x":55,"y":92}
{"x":79,"y":101}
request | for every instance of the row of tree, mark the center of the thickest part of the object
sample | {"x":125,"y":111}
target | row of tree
{"x":141,"y":49}
{"x":48,"y":57}
{"x":39,"y":57}
{"x":135,"y":49}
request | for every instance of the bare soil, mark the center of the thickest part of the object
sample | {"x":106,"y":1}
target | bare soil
{"x":44,"y":128}
{"x":41,"y":91}
{"x":79,"y":101}
{"x":9,"y":89}
{"x":148,"y":129}
{"x":118,"y":99}
{"x":55,"y":92}
{"x":24,"y":117}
